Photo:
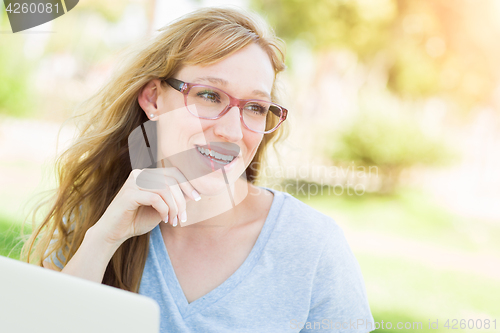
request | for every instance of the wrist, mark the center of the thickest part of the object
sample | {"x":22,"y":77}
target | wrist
{"x":96,"y":234}
{"x":93,"y":256}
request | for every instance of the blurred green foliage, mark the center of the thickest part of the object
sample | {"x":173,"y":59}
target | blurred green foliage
{"x":18,"y":95}
{"x":390,"y":141}
{"x":11,"y":241}
{"x":409,"y":213}
{"x":429,"y":47}
{"x":361,"y":27}
{"x":15,"y":72}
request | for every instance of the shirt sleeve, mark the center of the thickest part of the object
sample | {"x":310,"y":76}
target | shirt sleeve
{"x":53,"y":257}
{"x":338,"y":300}
{"x":56,"y":257}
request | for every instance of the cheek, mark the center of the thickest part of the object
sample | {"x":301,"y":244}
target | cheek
{"x":165,"y":138}
{"x":177,"y":131}
{"x":252,"y":143}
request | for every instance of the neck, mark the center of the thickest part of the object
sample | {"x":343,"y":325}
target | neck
{"x":214,"y":215}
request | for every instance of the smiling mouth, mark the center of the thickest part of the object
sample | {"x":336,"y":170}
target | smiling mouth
{"x":216,"y":156}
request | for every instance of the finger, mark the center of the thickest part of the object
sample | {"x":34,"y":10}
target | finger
{"x":168,"y":198}
{"x":156,"y":181}
{"x":180,"y":200}
{"x":183,"y":183}
{"x":174,"y":197}
{"x":135,"y":173}
{"x":154,"y":200}
{"x":151,"y":179}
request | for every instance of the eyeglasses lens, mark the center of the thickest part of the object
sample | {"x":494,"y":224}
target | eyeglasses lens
{"x":209,"y":103}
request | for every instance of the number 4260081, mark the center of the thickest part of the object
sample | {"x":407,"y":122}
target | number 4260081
{"x":471,"y":323}
{"x":23,"y":8}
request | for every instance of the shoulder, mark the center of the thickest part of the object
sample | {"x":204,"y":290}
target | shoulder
{"x":314,"y":248}
{"x":303,"y":227}
{"x":305,"y":219}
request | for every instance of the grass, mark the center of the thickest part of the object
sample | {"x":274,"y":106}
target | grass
{"x":404,"y":291}
{"x":10,"y":240}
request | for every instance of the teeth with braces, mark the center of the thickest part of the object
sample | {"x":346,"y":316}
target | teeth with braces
{"x":214,"y":154}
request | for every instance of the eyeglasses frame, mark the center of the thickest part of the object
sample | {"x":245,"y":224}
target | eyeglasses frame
{"x":185,"y":87}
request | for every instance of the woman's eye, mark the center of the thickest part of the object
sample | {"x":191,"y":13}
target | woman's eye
{"x":211,"y":96}
{"x":256,"y":108}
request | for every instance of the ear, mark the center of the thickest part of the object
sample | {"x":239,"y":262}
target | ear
{"x":147,"y":98}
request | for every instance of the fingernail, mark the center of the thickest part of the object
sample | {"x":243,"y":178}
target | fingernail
{"x":196,"y":195}
{"x":175,"y":221}
{"x":184,"y":216}
{"x":166,"y":219}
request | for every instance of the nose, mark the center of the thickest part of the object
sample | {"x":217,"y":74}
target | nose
{"x":229,"y":126}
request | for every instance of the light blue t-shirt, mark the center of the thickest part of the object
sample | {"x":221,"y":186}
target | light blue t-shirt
{"x":300,"y":276}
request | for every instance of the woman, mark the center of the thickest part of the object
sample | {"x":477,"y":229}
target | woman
{"x":178,"y":135}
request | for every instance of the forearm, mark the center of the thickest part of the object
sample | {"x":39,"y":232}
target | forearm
{"x":92,"y":257}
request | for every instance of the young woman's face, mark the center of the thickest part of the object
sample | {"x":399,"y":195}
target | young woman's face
{"x":247,"y":74}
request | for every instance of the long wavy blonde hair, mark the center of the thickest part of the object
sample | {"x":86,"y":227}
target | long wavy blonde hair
{"x":91,"y":172}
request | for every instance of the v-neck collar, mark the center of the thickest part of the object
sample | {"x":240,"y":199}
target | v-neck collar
{"x":185,"y":308}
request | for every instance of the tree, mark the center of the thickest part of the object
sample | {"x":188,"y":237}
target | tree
{"x":433,"y":47}
{"x":391,"y":142}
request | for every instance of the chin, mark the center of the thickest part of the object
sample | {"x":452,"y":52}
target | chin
{"x":209,"y":185}
{"x":214,"y":183}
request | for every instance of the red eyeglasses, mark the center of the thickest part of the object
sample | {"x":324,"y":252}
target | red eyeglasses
{"x":208,"y":102}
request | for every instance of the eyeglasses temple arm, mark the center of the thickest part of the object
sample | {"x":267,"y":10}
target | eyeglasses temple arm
{"x":174,"y":83}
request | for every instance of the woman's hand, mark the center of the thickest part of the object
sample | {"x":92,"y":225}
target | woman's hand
{"x":147,"y":197}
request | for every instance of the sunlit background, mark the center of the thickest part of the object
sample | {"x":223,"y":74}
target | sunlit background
{"x":394,"y":132}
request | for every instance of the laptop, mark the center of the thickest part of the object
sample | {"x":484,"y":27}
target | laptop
{"x":36,"y":299}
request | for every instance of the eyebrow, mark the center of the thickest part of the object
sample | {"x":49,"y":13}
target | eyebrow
{"x":222,"y":82}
